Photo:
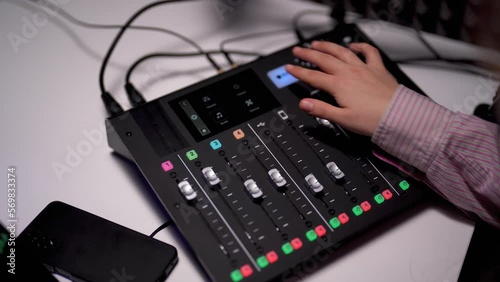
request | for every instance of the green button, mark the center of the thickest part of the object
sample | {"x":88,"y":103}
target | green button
{"x":311,"y":235}
{"x":379,"y":198}
{"x":357,"y":210}
{"x":262,"y":261}
{"x":334,"y":222}
{"x":236,"y":275}
{"x":191,"y":155}
{"x":287,"y":248}
{"x":404,"y":185}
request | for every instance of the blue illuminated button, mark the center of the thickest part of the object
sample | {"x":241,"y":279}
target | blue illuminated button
{"x":280,"y":77}
{"x":216,"y":144}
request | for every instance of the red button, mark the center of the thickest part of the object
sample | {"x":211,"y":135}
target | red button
{"x":387,"y":194}
{"x":246,"y":270}
{"x":320,"y":230}
{"x":343,"y":218}
{"x":366,"y":206}
{"x":296,"y":243}
{"x":272,"y":257}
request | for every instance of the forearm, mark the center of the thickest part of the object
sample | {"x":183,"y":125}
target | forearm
{"x":459,"y":154}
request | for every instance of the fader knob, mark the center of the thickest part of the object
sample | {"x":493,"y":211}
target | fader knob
{"x":335,"y":170}
{"x":324,"y":122}
{"x":313,"y":183}
{"x":210,"y":176}
{"x":253,"y":189}
{"x":187,"y":190}
{"x":277,"y":177}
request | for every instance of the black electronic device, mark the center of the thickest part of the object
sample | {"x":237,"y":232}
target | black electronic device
{"x":255,"y":185}
{"x":83,"y":247}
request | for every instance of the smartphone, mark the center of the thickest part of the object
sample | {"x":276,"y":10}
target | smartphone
{"x":84,"y":247}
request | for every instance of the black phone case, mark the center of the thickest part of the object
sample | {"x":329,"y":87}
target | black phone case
{"x":85,"y":247}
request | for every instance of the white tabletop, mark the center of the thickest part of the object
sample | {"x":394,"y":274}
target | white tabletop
{"x":50,"y":104}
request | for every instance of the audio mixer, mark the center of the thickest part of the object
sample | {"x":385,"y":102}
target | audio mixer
{"x":255,"y":185}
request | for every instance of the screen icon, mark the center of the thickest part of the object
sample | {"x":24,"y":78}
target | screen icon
{"x":249,"y":102}
{"x":218,"y":116}
{"x":204,"y":131}
{"x":282,"y":115}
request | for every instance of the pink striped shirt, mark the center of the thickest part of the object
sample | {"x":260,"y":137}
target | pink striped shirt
{"x":455,"y":154}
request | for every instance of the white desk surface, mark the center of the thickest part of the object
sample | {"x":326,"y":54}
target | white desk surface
{"x":50,"y":99}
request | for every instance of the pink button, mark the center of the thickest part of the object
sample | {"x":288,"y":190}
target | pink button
{"x":366,"y":206}
{"x":296,"y":243}
{"x":272,"y":257}
{"x":167,"y":166}
{"x":343,"y":218}
{"x":320,"y":230}
{"x":246,"y":270}
{"x":387,"y":194}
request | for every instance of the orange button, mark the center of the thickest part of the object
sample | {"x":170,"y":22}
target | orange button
{"x":238,"y":134}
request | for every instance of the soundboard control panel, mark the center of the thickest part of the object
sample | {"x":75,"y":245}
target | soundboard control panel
{"x":256,"y":186}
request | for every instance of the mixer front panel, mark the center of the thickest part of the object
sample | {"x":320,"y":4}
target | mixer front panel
{"x":255,"y":185}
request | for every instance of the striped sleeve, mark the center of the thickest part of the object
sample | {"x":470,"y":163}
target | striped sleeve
{"x":458,"y":154}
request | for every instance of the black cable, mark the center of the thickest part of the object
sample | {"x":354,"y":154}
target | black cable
{"x":108,"y":100}
{"x":120,"y":34}
{"x":245,"y":37}
{"x":161,"y":227}
{"x":424,"y":41}
{"x":65,"y":14}
{"x":134,"y":96}
{"x":192,"y":54}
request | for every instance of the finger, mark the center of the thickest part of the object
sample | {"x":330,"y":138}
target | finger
{"x":324,"y":110}
{"x":324,"y":61}
{"x":371,"y":54}
{"x":343,"y":54}
{"x":315,"y":78}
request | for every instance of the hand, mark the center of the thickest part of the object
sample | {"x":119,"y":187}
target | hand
{"x":362,"y":90}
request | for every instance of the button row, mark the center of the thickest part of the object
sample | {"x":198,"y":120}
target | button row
{"x":271,"y":257}
{"x":361,"y":208}
{"x":335,"y":222}
{"x":244,"y":272}
{"x":382,"y":197}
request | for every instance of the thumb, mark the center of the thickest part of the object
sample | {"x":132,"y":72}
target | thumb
{"x":324,"y":110}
